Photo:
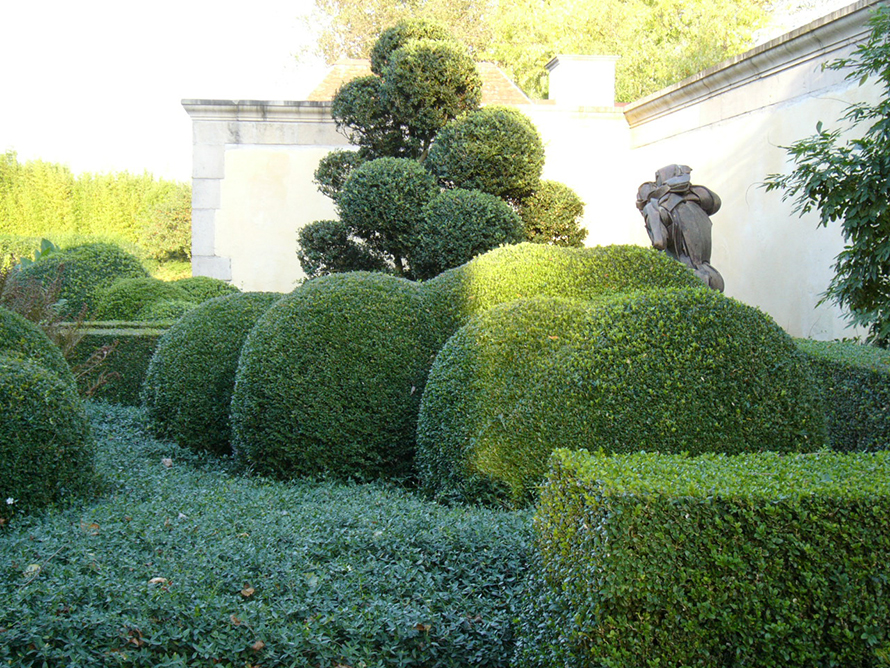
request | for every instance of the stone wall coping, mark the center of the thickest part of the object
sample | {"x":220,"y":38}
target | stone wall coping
{"x":294,"y":111}
{"x":813,"y":41}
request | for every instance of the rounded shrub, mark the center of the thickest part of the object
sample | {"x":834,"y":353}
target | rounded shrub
{"x":201,"y":288}
{"x":189,"y":382}
{"x":127,"y":298}
{"x":428,"y":82}
{"x":399,"y":35}
{"x":552,"y":215}
{"x":22,"y":338}
{"x":83,"y":270}
{"x":46,"y":445}
{"x":529,"y":270}
{"x":334,"y":169}
{"x":330,"y":380}
{"x":495,"y":149}
{"x":677,"y":371}
{"x":326,"y":247}
{"x":169,"y":309}
{"x":458,"y":225}
{"x":382,"y":200}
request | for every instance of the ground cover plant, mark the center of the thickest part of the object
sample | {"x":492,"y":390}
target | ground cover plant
{"x":184,"y":562}
{"x":667,"y":371}
{"x":764,"y":560}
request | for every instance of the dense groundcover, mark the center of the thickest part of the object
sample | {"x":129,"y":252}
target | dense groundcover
{"x":190,"y":564}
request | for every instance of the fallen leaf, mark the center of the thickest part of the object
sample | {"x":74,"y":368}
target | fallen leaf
{"x":553,"y":338}
{"x":166,"y":461}
{"x":422,"y":627}
{"x":32,"y":570}
{"x":183,"y":516}
{"x":234,"y":619}
{"x":92,"y":529}
{"x":157,"y":581}
{"x":258,"y":645}
{"x":247,"y":592}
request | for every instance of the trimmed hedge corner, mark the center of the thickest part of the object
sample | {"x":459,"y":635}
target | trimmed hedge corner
{"x":855,"y":383}
{"x":125,"y":368}
{"x":21,"y":337}
{"x":189,"y":383}
{"x":755,"y":560}
{"x":330,"y":380}
{"x":676,"y":371}
{"x":529,"y":270}
{"x":46,"y":445}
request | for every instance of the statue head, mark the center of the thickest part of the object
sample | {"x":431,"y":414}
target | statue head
{"x":674,"y":176}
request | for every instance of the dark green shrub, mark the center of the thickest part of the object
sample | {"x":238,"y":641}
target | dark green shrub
{"x":85,"y":270}
{"x":399,"y":35}
{"x":189,"y":383}
{"x":22,"y":338}
{"x":458,"y":225}
{"x":855,"y":385}
{"x":528,"y":270}
{"x":552,"y":215}
{"x":202,"y":288}
{"x":494,"y":149}
{"x":120,"y":376}
{"x":127,"y":298}
{"x":338,"y":574}
{"x":756,"y":560}
{"x":326,"y":247}
{"x":427,"y":83}
{"x":46,"y":445}
{"x":381,"y":202}
{"x":334,"y":169}
{"x":671,"y":371}
{"x":168,"y":309}
{"x":330,"y":379}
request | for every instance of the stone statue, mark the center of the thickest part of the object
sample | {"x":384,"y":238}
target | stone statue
{"x":676,"y":214}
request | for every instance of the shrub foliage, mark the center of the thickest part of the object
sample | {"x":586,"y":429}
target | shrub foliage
{"x":189,"y":382}
{"x":129,"y":298}
{"x":675,"y":371}
{"x":756,"y":560}
{"x":553,"y":215}
{"x":46,"y":445}
{"x":330,"y":379}
{"x":22,"y":338}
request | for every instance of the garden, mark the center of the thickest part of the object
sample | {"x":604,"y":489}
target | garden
{"x":464,"y":440}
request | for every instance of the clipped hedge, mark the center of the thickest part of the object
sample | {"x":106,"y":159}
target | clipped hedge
{"x":756,"y":560}
{"x":46,"y":445}
{"x":128,"y":298}
{"x":528,"y":270}
{"x":676,"y":371}
{"x":458,"y":225}
{"x":189,"y":382}
{"x":22,"y":338}
{"x":85,"y":269}
{"x":172,"y":309}
{"x":201,"y":288}
{"x":496,"y":149}
{"x":126,"y":367}
{"x":552,"y":215}
{"x":855,"y":384}
{"x":330,"y":379}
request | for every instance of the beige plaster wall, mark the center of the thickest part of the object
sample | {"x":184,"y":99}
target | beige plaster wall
{"x":728,"y":124}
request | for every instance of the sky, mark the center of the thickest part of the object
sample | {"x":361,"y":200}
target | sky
{"x":97,"y":84}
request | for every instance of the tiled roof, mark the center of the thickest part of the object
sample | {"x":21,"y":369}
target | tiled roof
{"x":496,"y":87}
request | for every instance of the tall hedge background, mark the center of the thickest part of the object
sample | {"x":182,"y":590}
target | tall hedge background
{"x":146,"y":215}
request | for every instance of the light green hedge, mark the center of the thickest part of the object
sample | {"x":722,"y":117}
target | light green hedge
{"x":528,"y":270}
{"x":672,"y":371}
{"x":855,"y":384}
{"x":760,"y":560}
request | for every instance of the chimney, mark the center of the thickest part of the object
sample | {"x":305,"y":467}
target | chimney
{"x":582,"y":81}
